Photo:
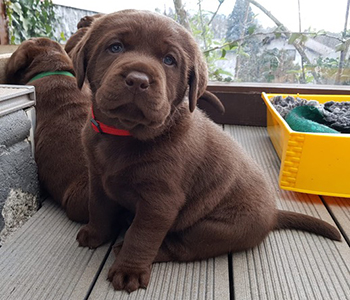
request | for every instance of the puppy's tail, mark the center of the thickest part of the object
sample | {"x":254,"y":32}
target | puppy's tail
{"x":293,"y":220}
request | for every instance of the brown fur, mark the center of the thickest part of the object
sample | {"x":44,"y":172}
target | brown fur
{"x":61,"y":110}
{"x":194,"y":192}
{"x":82,"y":27}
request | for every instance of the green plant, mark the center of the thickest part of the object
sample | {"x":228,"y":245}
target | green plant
{"x":326,"y":68}
{"x":200,"y":24}
{"x":269,"y":65}
{"x":30,"y":18}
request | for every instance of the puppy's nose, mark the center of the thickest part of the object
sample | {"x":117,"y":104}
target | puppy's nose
{"x":137,"y":82}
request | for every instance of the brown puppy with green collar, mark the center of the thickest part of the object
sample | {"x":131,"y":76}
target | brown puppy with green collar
{"x":193,"y":191}
{"x":61,"y":112}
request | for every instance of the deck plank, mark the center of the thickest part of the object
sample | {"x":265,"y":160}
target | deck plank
{"x":288,"y":264}
{"x":43,"y":261}
{"x":340,"y":208}
{"x":206,"y":279}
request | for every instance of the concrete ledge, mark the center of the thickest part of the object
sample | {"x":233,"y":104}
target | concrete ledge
{"x":15,"y":97}
{"x":19,"y":186}
{"x":14,"y":128}
{"x":8,"y":49}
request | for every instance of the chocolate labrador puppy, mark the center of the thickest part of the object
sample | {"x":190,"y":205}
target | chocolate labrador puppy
{"x":61,"y":112}
{"x":193,"y":191}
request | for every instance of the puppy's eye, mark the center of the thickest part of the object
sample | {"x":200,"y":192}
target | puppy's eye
{"x":116,"y":48}
{"x":169,"y":60}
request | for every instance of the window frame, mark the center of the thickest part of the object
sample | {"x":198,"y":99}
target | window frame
{"x":244,"y":105}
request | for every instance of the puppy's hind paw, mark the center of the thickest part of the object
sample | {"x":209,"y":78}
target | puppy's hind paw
{"x":89,"y":237}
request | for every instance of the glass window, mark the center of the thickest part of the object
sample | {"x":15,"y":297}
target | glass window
{"x":290,"y":41}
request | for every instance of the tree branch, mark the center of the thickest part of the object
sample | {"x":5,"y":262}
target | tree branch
{"x":238,"y":58}
{"x":216,"y":12}
{"x":246,"y":37}
{"x":4,"y":37}
{"x":182,"y":14}
{"x":345,"y":50}
{"x":204,"y":31}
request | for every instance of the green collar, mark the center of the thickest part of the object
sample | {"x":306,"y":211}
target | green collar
{"x":44,"y":74}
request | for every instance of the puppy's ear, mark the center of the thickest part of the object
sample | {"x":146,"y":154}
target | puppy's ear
{"x":74,"y":40}
{"x":197,"y":80}
{"x":79,"y":62}
{"x":19,"y":61}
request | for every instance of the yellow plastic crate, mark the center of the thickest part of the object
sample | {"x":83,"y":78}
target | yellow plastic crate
{"x":315,"y":163}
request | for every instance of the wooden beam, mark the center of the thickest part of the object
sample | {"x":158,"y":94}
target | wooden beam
{"x":4,"y":37}
{"x":244,"y":105}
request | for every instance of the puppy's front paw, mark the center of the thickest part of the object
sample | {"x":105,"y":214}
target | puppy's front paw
{"x":129,"y":279}
{"x":89,"y":237}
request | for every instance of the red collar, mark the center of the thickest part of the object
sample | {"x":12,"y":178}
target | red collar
{"x":102,"y":128}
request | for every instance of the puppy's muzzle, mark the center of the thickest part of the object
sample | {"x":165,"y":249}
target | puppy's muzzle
{"x":137,"y":82}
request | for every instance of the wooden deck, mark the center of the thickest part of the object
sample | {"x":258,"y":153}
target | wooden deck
{"x":43,"y":261}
